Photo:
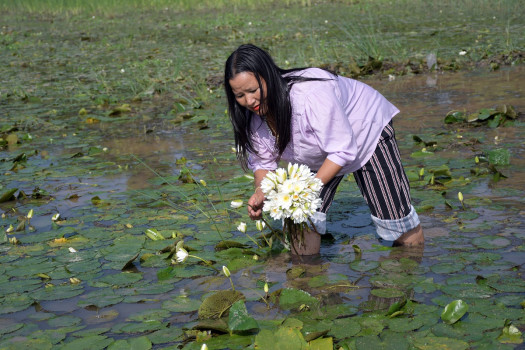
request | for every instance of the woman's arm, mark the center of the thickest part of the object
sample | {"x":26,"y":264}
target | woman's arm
{"x":328,"y":171}
{"x":256,"y":201}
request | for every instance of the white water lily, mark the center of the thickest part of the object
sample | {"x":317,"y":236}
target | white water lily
{"x":284,"y":200}
{"x":55,"y":217}
{"x":281,"y":175}
{"x":236,"y":204}
{"x":182,"y":254}
{"x":226,"y":271}
{"x":242,"y":227}
{"x":30,"y":214}
{"x":260,"y":225}
{"x":204,"y":347}
{"x":72,"y":250}
{"x":291,"y":193}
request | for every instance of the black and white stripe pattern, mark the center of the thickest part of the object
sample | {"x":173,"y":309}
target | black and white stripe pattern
{"x":328,"y":192}
{"x":385,"y":188}
{"x":383,"y":182}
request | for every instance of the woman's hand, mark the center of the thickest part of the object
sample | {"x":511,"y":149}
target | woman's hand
{"x":255,"y":205}
{"x":256,"y":201}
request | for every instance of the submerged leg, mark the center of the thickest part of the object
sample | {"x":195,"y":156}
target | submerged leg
{"x":413,"y":237}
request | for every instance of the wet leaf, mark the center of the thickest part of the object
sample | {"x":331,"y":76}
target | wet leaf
{"x":139,"y":343}
{"x":446,"y":268}
{"x":291,"y":298}
{"x":181,"y":304}
{"x":432,"y":343}
{"x":455,"y":117}
{"x":500,"y":156}
{"x":218,"y":304}
{"x":90,"y":342}
{"x":364,"y":265}
{"x":344,"y":328}
{"x":239,"y":319}
{"x":510,"y":335}
{"x":387,"y":293}
{"x":395,"y":307}
{"x":403,"y":325}
{"x":154,"y":235}
{"x":485,"y":113}
{"x":284,"y":339}
{"x":491,"y":242}
{"x":100,"y":299}
{"x":454,"y":311}
{"x":166,"y":335}
{"x":8,"y":195}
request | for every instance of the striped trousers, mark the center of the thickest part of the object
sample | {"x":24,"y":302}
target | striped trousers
{"x":385,"y":188}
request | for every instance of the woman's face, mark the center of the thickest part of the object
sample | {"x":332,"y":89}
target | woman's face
{"x":247,"y":91}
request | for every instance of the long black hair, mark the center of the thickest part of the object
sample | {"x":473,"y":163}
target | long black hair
{"x":277,"y":105}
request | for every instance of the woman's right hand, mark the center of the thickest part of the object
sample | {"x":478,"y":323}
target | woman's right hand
{"x":255,"y":205}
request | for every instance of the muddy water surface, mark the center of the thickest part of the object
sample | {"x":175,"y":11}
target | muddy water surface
{"x":455,"y":237}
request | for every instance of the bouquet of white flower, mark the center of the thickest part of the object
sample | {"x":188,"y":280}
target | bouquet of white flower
{"x":292,"y":195}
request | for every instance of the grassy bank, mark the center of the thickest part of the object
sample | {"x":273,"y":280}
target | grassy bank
{"x":107,"y":51}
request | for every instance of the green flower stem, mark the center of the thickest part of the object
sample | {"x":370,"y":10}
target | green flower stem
{"x":199,"y":208}
{"x":253,"y":240}
{"x":231,"y":282}
{"x":207,"y":262}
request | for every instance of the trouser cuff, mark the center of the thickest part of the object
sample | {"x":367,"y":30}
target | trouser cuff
{"x":390,"y":230}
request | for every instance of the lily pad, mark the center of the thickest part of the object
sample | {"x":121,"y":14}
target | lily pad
{"x":402,"y":325}
{"x":387,"y":293}
{"x":432,"y":343}
{"x":364,"y":265}
{"x":181,"y":304}
{"x":118,"y":280}
{"x":291,"y":298}
{"x":447,"y":268}
{"x":491,"y":242}
{"x":218,"y":304}
{"x":58,"y":292}
{"x":454,"y":311}
{"x":499,"y":156}
{"x":139,"y":343}
{"x":284,"y":338}
{"x":239,"y":319}
{"x":344,"y":328}
{"x":94,"y":342}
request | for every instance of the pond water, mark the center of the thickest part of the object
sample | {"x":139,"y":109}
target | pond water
{"x":474,"y":253}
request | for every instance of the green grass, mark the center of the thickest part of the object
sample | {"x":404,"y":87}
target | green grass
{"x":70,"y":54}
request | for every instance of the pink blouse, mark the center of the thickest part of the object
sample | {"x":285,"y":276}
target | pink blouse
{"x":340,"y":119}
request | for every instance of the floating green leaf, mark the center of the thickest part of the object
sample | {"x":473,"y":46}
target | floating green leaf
{"x":154,"y":234}
{"x":94,"y":342}
{"x":239,"y":319}
{"x":500,"y":156}
{"x":510,"y":335}
{"x":291,"y":298}
{"x":364,"y":265}
{"x":181,"y":304}
{"x":218,"y":304}
{"x":454,"y":311}
{"x":139,"y":343}
{"x":491,"y":242}
{"x":284,"y":339}
{"x":432,"y":343}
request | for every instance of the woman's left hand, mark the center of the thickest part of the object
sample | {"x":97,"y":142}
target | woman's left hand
{"x":255,"y":205}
